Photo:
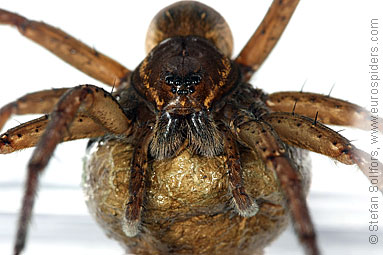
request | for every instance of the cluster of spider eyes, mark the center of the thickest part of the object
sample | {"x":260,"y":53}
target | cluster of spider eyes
{"x":183,"y":85}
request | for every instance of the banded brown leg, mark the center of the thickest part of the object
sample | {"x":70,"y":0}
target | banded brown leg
{"x":100,"y":106}
{"x":28,"y":134}
{"x":265,"y":37}
{"x":311,"y":135}
{"x":328,"y":110}
{"x":37,"y":102}
{"x":69,"y":49}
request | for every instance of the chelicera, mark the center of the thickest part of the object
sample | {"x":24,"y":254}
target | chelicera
{"x":186,"y":100}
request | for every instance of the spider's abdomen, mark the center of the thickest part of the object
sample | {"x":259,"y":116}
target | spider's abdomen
{"x":188,"y":206}
{"x":190,"y":18}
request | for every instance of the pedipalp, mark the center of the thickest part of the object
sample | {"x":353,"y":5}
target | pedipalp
{"x":261,"y":137}
{"x":137,"y":184}
{"x":244,"y":204}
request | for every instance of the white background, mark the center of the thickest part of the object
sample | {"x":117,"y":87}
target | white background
{"x":326,"y":42}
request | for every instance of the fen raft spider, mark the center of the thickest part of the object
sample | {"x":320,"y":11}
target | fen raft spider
{"x":225,"y":122}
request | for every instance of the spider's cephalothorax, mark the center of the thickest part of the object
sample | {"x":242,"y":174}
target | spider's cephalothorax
{"x":183,"y":75}
{"x":191,"y":158}
{"x":180,"y":80}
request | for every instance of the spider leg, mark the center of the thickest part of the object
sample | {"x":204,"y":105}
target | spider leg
{"x":261,"y":137}
{"x":138,"y":172}
{"x":265,"y":37}
{"x":330,"y":110}
{"x":37,"y":102}
{"x":100,"y":106}
{"x":243,"y":203}
{"x":311,"y":135}
{"x":69,"y":49}
{"x":28,"y":134}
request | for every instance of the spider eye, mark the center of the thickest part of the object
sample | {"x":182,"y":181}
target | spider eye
{"x":182,"y":85}
{"x":187,"y":82}
{"x":178,"y":82}
{"x":182,"y":92}
{"x":191,"y":90}
{"x":169,"y":79}
{"x":195,"y":79}
{"x":191,"y":79}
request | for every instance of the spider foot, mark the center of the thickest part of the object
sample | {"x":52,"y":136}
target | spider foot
{"x":132,"y":220}
{"x":131,"y":227}
{"x":244,"y":204}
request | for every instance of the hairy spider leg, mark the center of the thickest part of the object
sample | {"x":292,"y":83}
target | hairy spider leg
{"x":28,"y":134}
{"x":308,"y":134}
{"x":331,"y":111}
{"x":36,"y":102}
{"x":262,"y":42}
{"x":100,"y":106}
{"x":69,"y":49}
